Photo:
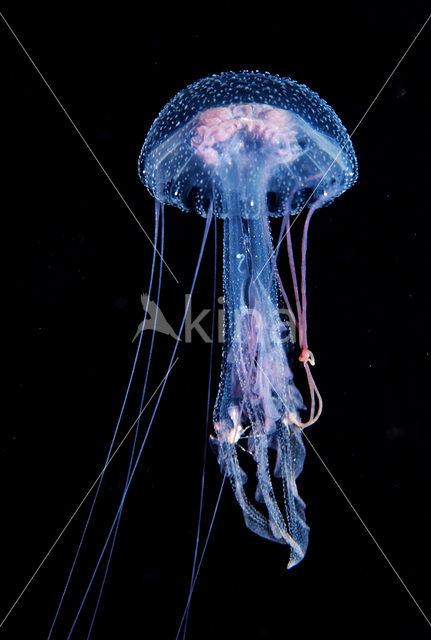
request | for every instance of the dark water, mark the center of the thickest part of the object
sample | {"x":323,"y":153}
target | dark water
{"x":77,"y":263}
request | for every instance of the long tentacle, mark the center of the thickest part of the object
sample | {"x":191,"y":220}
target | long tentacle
{"x":150,"y":423}
{"x":111,"y":446}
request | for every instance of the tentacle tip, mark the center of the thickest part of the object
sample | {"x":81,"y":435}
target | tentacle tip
{"x":293,"y":561}
{"x":307,"y":357}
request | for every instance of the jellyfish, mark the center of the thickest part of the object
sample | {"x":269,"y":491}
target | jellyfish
{"x":245,"y":147}
{"x":241,"y":147}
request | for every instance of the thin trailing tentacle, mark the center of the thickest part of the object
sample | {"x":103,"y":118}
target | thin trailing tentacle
{"x":139,"y":453}
{"x":114,"y":437}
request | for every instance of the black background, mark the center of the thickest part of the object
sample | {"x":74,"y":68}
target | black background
{"x":77,"y":263}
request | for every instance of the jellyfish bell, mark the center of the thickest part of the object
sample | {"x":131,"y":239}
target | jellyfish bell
{"x":244,"y":147}
{"x":274,"y":129}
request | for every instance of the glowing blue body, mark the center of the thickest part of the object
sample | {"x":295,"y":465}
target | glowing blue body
{"x":244,"y":147}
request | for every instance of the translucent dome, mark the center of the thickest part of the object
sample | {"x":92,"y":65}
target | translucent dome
{"x":270,"y":136}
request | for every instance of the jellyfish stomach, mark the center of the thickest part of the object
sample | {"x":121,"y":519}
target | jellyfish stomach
{"x":257,"y":392}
